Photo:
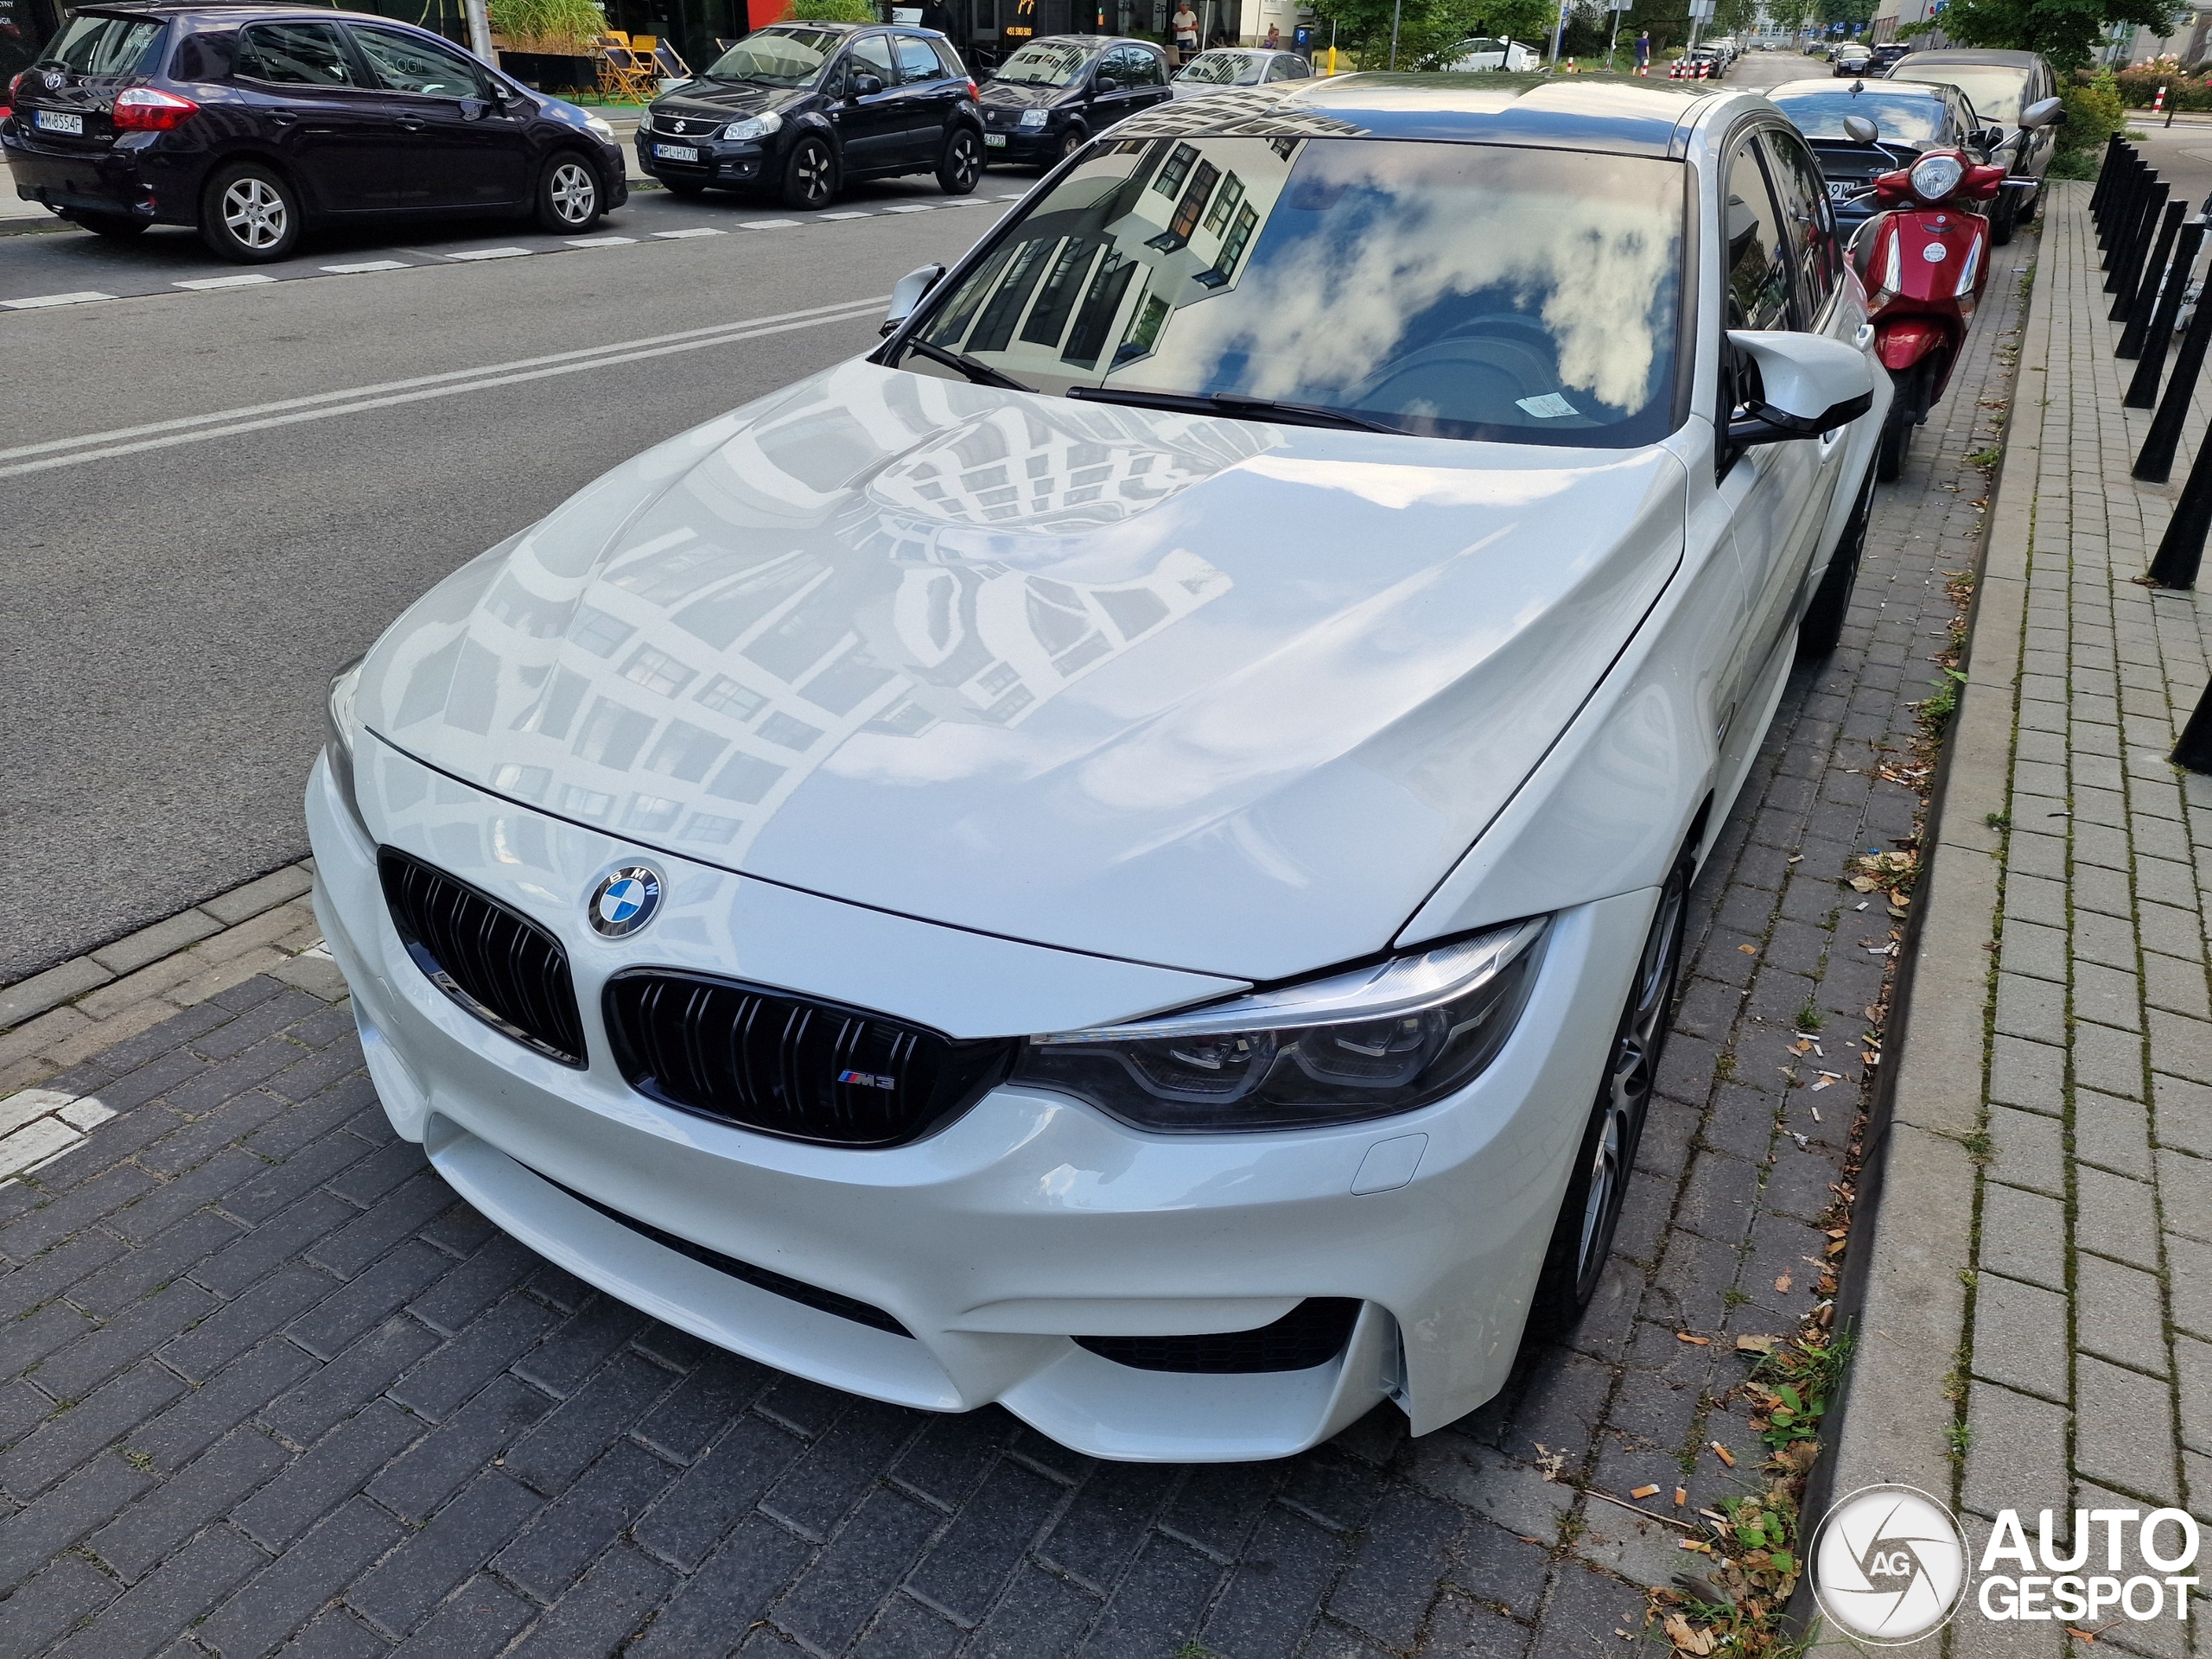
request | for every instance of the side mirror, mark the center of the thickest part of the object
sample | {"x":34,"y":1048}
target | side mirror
{"x":907,"y":295}
{"x":1859,"y":129}
{"x":1810,"y":384}
{"x":1105,"y":83}
{"x":865,"y":87}
{"x":2045,"y":113}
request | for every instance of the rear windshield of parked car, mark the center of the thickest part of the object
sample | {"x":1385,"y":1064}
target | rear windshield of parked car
{"x":1223,"y":69}
{"x":1448,"y":290}
{"x":776,"y":57}
{"x":1043,"y":64}
{"x":1994,"y":91}
{"x":103,"y":46}
{"x":1904,"y":118}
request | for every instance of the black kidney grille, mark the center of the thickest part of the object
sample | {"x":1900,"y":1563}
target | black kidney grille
{"x":500,"y":966}
{"x":789,"y":1066}
{"x":1311,"y":1334}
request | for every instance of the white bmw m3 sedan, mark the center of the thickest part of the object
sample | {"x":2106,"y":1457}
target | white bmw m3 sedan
{"x":1124,"y":855}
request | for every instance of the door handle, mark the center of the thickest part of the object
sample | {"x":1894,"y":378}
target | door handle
{"x":410,"y":126}
{"x":281,"y":117}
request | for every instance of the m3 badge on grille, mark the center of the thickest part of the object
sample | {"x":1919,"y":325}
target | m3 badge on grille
{"x":624,"y":902}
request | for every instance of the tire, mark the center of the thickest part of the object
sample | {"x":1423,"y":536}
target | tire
{"x":117,"y":227}
{"x":569,"y":201}
{"x":1070,"y":140}
{"x":809,"y":177}
{"x":2005,"y":222}
{"x":1582,"y":1238}
{"x":1897,"y":438}
{"x":250,"y":213}
{"x":961,"y":164}
{"x":1821,"y":626}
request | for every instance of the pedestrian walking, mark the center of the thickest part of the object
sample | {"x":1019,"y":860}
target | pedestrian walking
{"x":1185,"y":25}
{"x":1644,"y":53}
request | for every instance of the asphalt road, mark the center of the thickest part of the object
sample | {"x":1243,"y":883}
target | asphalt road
{"x":176,"y":597}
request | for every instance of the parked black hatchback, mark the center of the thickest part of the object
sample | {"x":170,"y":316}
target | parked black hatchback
{"x":1047,"y":99}
{"x":250,"y":122}
{"x":802,"y":108}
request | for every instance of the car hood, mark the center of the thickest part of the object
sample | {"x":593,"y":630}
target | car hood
{"x":727,"y":99}
{"x":1011,"y":95}
{"x":1206,"y":693}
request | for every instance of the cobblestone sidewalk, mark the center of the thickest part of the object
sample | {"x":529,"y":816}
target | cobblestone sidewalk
{"x":2044,"y":1257}
{"x":265,"y":1385}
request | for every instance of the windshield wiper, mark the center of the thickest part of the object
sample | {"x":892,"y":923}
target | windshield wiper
{"x":982,"y":373}
{"x":1237,"y":406}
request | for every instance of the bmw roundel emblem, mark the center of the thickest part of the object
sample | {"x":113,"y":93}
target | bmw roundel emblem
{"x":624,"y":902}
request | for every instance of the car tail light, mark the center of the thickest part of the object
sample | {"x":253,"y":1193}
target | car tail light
{"x":148,"y":109}
{"x":15,"y":82}
{"x":972,"y":94}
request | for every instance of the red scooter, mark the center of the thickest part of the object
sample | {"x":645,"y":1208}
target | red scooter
{"x":1924,"y":259}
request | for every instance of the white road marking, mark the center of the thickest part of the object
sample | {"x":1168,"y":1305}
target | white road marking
{"x":702,"y":230}
{"x":492,"y":253}
{"x":911,"y":207}
{"x":603,"y":241}
{"x":84,"y":296}
{"x":97,"y":446}
{"x":767,"y":224}
{"x":244,"y":279}
{"x":39,"y":1125}
{"x":966,"y":201}
{"x":357,"y":268}
{"x":1013,"y":195}
{"x":845,"y":215}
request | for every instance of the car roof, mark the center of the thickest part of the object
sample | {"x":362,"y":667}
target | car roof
{"x":1618,"y":114}
{"x":1827,"y":84}
{"x":1090,"y":40}
{"x":1988,"y":55}
{"x":226,"y":12}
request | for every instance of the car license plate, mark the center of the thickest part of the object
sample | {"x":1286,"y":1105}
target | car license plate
{"x":1838,"y":189}
{"x":54,"y":121}
{"x":995,"y":141}
{"x":675,"y":152}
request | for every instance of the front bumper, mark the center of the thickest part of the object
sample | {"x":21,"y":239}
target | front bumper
{"x":1024,"y":145}
{"x":720,"y":163}
{"x":1027,"y":1221}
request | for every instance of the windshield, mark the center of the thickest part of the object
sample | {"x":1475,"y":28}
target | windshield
{"x":103,"y":46}
{"x":1904,"y":118}
{"x":1994,"y":91}
{"x":1223,"y":69}
{"x":776,"y":57}
{"x":1043,"y":64}
{"x":1450,"y":290}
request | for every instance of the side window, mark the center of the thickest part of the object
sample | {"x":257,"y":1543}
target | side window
{"x":295,"y":55}
{"x":871,"y":55}
{"x":916,"y":60}
{"x":1149,"y":69}
{"x":1128,"y":66}
{"x":948,"y":61}
{"x":1282,"y":69}
{"x":405,"y":64}
{"x":1807,"y":221}
{"x":1758,"y":269}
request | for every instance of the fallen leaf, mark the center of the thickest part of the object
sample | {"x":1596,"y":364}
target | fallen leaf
{"x":1700,"y":1342}
{"x":1836,"y":1232}
{"x":1836,"y":1249}
{"x":1722,"y":1453}
{"x":1749,"y":949}
{"x":1781,"y":1281}
{"x":1802,"y":1045}
{"x":1549,"y":1461}
{"x":1756,"y":1344}
{"x":1643,"y":1491}
{"x":1864,"y":884}
{"x":2084,"y":1635}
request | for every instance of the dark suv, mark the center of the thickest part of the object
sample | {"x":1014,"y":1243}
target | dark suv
{"x":802,"y":108}
{"x":248,"y":122}
{"x":1047,"y":99}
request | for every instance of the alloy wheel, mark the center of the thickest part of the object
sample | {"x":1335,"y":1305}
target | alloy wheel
{"x":1629,"y":1078}
{"x":574,"y":192}
{"x":810,"y":175}
{"x":964,"y":164}
{"x":255,"y":214}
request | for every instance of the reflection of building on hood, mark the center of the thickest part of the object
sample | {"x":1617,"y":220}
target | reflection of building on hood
{"x":750,"y":658}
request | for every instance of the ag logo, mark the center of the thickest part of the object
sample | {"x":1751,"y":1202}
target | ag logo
{"x":1889,"y":1565}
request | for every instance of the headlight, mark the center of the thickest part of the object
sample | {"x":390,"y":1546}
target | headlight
{"x":1031,"y":118}
{"x":1363,"y":1044}
{"x":1935,"y":177}
{"x":754,"y":126}
{"x":342,"y":729}
{"x":600,"y":129}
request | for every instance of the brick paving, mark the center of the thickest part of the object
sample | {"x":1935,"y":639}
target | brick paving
{"x":2064,"y":1260}
{"x":266,"y":1386}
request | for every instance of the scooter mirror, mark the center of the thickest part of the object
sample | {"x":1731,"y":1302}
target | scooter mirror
{"x":1859,"y":129}
{"x":2043,"y":112}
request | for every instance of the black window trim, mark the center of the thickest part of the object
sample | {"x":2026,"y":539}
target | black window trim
{"x":374,"y":82}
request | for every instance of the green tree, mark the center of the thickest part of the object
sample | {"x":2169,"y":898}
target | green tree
{"x":1793,"y":16}
{"x":1735,"y":18}
{"x":2065,"y":31}
{"x":1428,"y":29}
{"x":1845,"y":11}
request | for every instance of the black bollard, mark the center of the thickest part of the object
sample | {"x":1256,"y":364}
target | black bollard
{"x":2156,"y":463}
{"x":2181,"y":549}
{"x":2125,"y":190}
{"x":2157,"y":339}
{"x":2126,"y":267}
{"x":2107,"y":172}
{"x":2194,"y":752}
{"x":2138,"y":305}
